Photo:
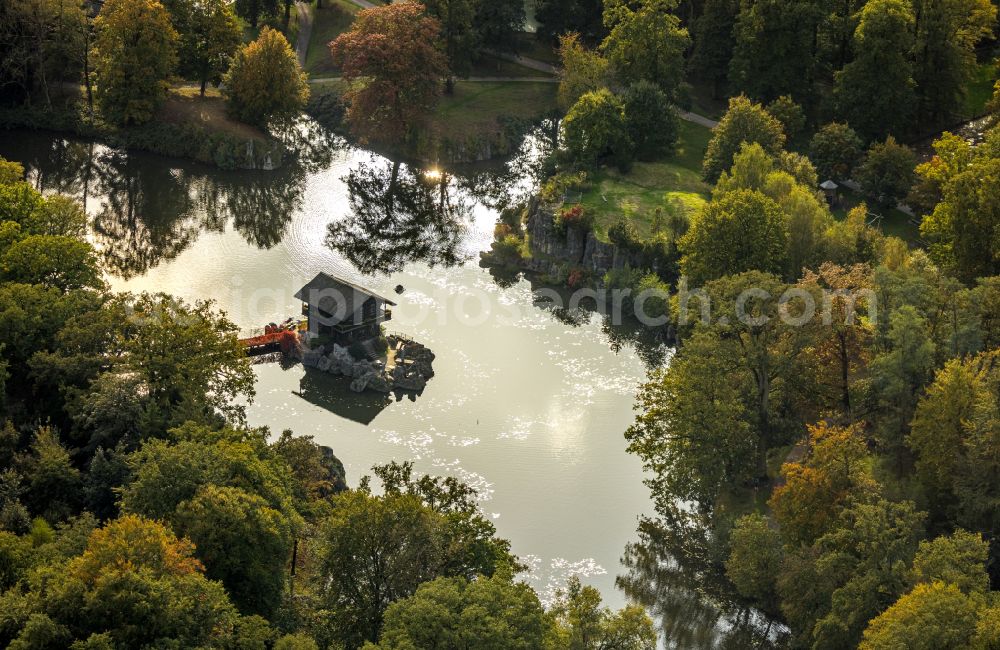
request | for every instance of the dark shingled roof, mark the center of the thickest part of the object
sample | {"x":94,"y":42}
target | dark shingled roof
{"x":337,"y":297}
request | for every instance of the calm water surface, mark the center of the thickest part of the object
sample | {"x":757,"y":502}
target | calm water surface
{"x":527,"y":405}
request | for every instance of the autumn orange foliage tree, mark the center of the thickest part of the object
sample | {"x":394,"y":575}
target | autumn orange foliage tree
{"x":816,"y":488}
{"x":393,"y":61}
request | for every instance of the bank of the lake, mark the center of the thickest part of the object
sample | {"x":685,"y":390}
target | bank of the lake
{"x":186,"y":126}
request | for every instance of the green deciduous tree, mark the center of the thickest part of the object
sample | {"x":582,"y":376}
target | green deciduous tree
{"x":714,"y":42}
{"x":958,"y":559}
{"x":744,"y":122}
{"x":136,"y":53}
{"x":209,"y":35}
{"x":835,"y":150}
{"x":243,"y":542}
{"x":558,"y":17}
{"x":595,"y":129}
{"x":225,"y":492}
{"x":862,"y":565}
{"x":964,"y":229}
{"x":458,"y":35}
{"x":947,"y":32}
{"x":265,"y":82}
{"x":646,"y":42}
{"x":790,"y":114}
{"x":755,"y":558}
{"x":584,"y":625}
{"x":392,"y":59}
{"x":898,"y":376}
{"x":953,"y":436}
{"x":931,"y":617}
{"x":693,"y":433}
{"x":886,"y":175}
{"x":455,"y":613}
{"x":58,"y":261}
{"x":253,"y":10}
{"x":372,"y":551}
{"x":775,"y":50}
{"x":135,"y":585}
{"x":582,"y":70}
{"x":875,"y":91}
{"x":498,"y":25}
{"x":742,"y":230}
{"x":650,"y":120}
{"x":187,"y":357}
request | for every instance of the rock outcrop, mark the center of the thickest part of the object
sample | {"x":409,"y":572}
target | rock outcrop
{"x":412,"y":366}
{"x":553,"y":247}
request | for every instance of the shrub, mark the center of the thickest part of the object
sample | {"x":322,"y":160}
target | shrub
{"x":623,"y":235}
{"x":573,"y":217}
{"x":556,"y":187}
{"x":502,"y":230}
{"x":288,"y":341}
{"x":507,"y":250}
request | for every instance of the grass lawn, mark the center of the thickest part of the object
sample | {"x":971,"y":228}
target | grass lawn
{"x":185,"y":106}
{"x":329,"y":22}
{"x":496,"y":67}
{"x":476,"y":106}
{"x":981,"y":89}
{"x":672,"y":185}
{"x":894,"y":222}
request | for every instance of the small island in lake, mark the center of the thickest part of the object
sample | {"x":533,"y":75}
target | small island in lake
{"x":344,"y":337}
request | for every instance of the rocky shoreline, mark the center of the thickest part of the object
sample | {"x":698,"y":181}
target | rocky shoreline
{"x":407,"y":368}
{"x":554,"y":249}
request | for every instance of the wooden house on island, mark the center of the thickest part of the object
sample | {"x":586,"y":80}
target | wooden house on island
{"x":342,"y":311}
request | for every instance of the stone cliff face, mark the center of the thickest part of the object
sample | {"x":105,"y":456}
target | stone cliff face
{"x":553,"y":247}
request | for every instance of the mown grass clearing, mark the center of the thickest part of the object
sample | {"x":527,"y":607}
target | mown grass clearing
{"x":650,"y":190}
{"x":477,"y":106}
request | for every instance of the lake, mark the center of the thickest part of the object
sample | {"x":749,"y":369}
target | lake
{"x":528,"y":404}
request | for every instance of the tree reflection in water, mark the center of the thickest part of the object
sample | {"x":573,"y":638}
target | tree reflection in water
{"x":398,"y":215}
{"x":146,"y":209}
{"x":145,"y":216}
{"x":675,"y":572}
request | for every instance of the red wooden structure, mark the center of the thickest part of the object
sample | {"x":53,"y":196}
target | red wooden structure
{"x":275,"y":338}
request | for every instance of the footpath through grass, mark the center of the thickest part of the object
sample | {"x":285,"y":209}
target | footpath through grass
{"x":669,"y":185}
